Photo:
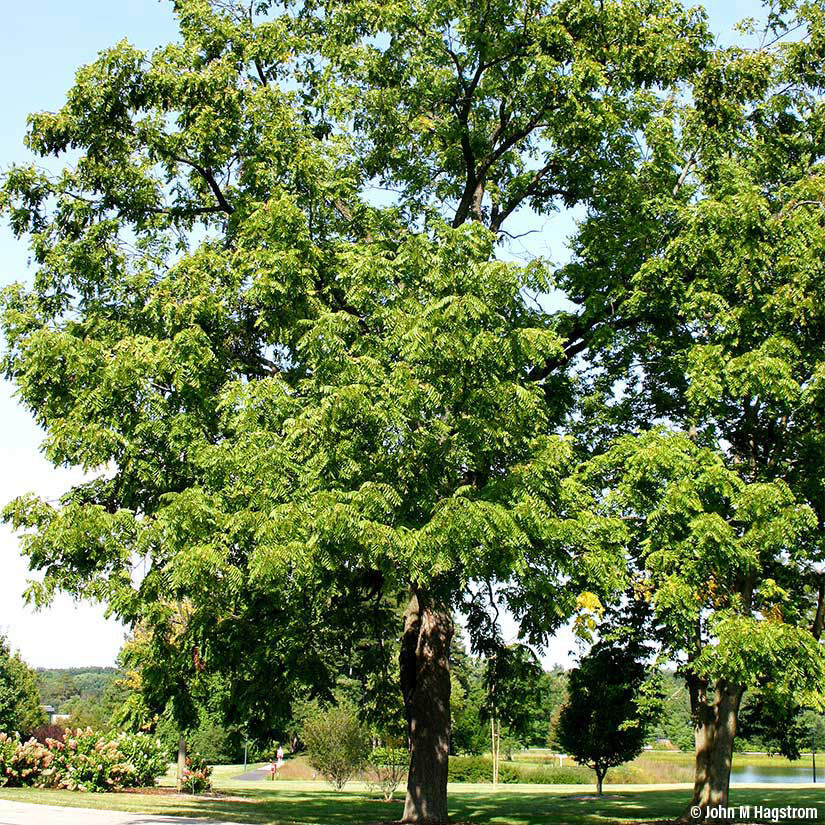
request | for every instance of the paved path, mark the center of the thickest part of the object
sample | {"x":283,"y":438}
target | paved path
{"x":258,"y":775}
{"x":19,"y":813}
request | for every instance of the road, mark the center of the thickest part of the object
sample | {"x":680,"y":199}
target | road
{"x":19,"y":813}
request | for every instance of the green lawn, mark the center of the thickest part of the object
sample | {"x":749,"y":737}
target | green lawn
{"x":314,"y":803}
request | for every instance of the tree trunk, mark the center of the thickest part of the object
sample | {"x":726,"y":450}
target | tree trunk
{"x":181,"y":760}
{"x":425,"y":684}
{"x":715,"y":733}
{"x":493,"y":747}
{"x":600,"y":780}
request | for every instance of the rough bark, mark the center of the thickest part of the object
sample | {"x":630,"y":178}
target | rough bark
{"x":425,"y":684}
{"x":715,"y":718}
{"x":600,"y":774}
{"x":181,"y":760}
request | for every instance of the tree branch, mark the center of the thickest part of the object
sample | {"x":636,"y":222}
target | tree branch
{"x":209,"y":178}
{"x":819,"y":620}
{"x":578,"y":341}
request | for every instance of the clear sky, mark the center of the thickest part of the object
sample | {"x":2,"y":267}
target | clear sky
{"x":41,"y":46}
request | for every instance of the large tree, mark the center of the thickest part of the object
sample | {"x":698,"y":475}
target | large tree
{"x":723,"y":507}
{"x":270,"y":319}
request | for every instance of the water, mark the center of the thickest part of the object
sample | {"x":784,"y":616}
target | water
{"x":798,"y":772}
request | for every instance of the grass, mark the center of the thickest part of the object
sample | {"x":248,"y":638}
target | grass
{"x":296,"y":802}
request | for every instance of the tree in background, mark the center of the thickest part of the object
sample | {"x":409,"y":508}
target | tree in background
{"x":606,"y":720}
{"x":20,"y":710}
{"x":675,"y":723}
{"x":727,"y":567}
{"x":719,"y":493}
{"x":512,"y":675}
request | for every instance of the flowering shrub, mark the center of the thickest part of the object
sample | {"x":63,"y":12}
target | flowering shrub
{"x":84,"y":761}
{"x":146,"y":755}
{"x":87,"y":762}
{"x":197,"y":774}
{"x":8,"y":750}
{"x":27,"y":763}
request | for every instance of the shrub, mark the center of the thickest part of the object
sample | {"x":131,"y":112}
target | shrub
{"x":389,"y":766}
{"x":146,"y":754}
{"x":85,"y":761}
{"x":215,"y":743}
{"x":335,"y":743}
{"x":470,"y":769}
{"x":31,"y":764}
{"x":82,"y":760}
{"x":480,"y":769}
{"x":8,"y":749}
{"x":197,"y":775}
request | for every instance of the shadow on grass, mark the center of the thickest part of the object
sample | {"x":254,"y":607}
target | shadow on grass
{"x":322,"y":806}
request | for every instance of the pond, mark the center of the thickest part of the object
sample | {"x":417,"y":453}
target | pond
{"x":799,"y":772}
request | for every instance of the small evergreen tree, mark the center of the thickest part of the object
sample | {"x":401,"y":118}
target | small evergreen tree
{"x":603,"y":723}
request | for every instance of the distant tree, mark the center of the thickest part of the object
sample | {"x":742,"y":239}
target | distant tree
{"x":19,"y":700}
{"x":512,"y":676}
{"x":813,"y":731}
{"x":548,"y":697}
{"x":770,"y":723}
{"x":56,"y":686}
{"x":603,"y":724}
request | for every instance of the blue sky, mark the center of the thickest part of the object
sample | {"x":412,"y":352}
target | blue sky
{"x":41,"y":46}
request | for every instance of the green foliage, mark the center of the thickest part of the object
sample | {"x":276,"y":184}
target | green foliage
{"x":512,"y":675}
{"x":19,"y":700}
{"x":214,"y":742}
{"x":480,"y":769}
{"x":675,"y":722}
{"x":309,"y":397}
{"x":474,"y":769}
{"x":389,"y":766}
{"x":336,"y":743}
{"x":57,"y":685}
{"x":146,"y":756}
{"x":603,"y":724}
{"x":288,"y":375}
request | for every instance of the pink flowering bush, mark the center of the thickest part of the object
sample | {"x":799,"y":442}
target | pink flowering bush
{"x":87,"y":762}
{"x":197,"y":775}
{"x":25,"y":763}
{"x":8,"y":751}
{"x":84,"y":761}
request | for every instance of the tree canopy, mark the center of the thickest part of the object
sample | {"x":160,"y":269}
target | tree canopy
{"x":273,"y":317}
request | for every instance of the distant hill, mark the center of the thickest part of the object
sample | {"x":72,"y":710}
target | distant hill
{"x":59,"y":685}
